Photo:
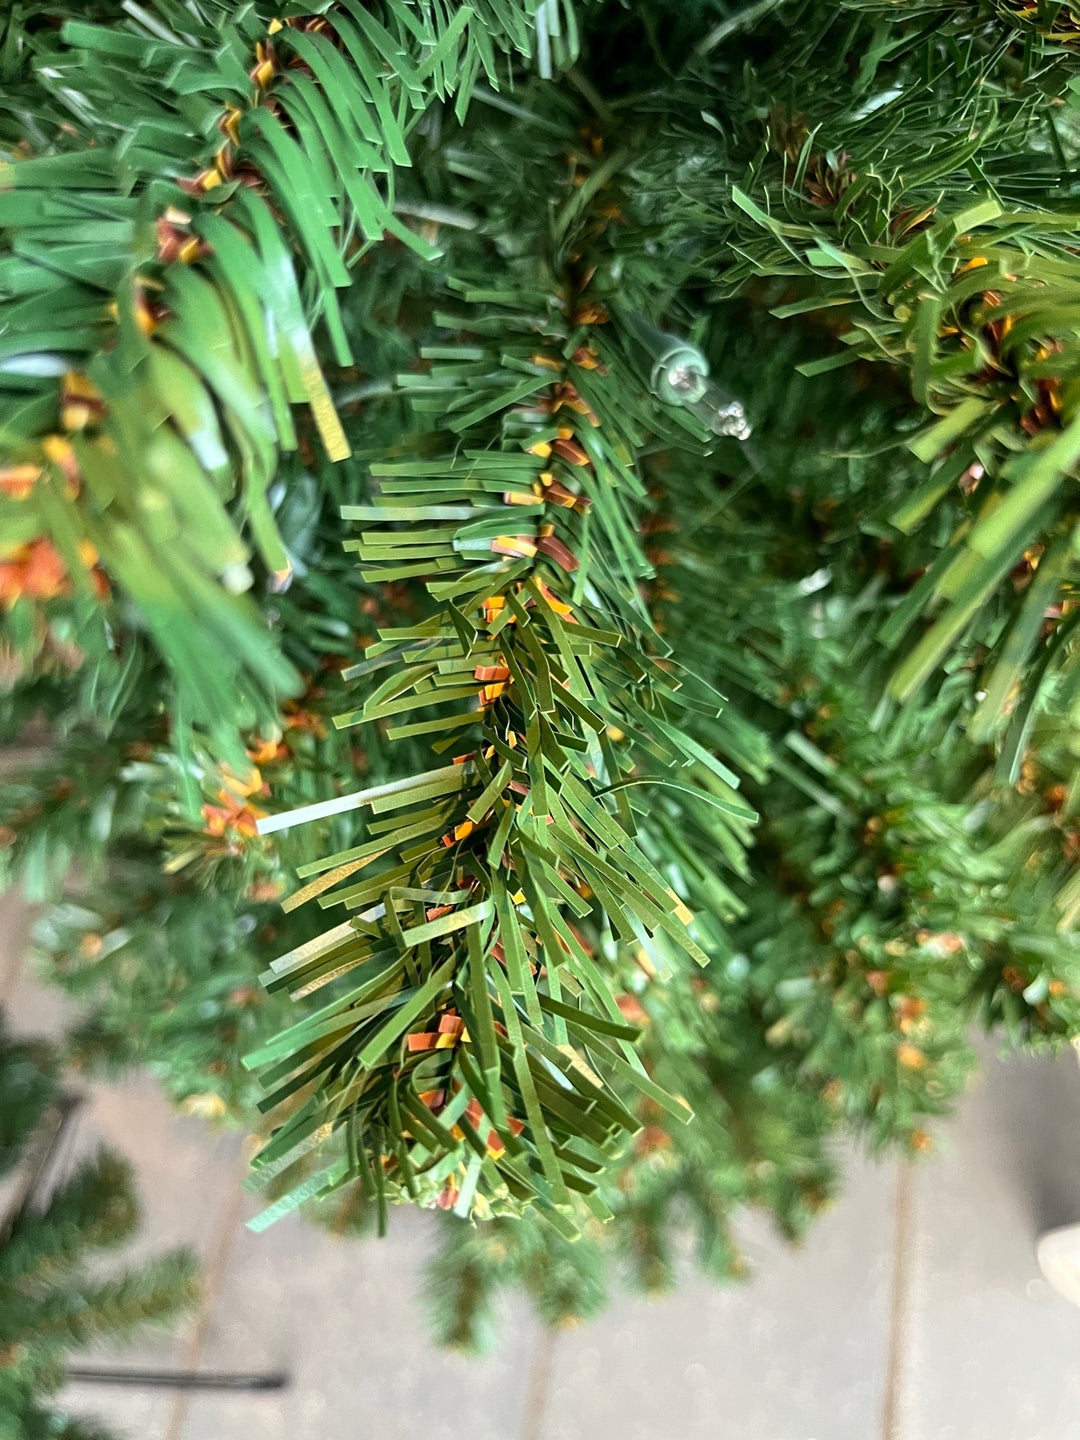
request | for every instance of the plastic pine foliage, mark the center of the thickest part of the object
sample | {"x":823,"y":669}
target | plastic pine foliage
{"x":589,"y":485}
{"x":53,"y":1298}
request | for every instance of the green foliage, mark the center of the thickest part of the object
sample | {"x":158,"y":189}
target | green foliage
{"x":158,"y":332}
{"x":928,"y":206}
{"x":52,"y":1298}
{"x":426,"y":271}
{"x":895,"y":894}
{"x":575,"y":712}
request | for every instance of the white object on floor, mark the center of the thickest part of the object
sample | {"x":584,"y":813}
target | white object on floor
{"x":1059,"y":1260}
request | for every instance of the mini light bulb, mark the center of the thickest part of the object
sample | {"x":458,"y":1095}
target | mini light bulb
{"x":719,"y":412}
{"x":680,"y":376}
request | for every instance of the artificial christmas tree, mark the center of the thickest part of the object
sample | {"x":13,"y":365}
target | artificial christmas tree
{"x":608,"y":468}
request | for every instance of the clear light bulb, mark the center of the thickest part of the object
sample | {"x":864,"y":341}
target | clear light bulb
{"x":719,"y":412}
{"x":680,"y":376}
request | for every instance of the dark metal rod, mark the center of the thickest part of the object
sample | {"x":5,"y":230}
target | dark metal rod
{"x":179,"y":1379}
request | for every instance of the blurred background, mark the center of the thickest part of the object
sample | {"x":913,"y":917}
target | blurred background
{"x":915,"y":1310}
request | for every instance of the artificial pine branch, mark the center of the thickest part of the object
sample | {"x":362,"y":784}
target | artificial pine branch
{"x":182,"y":331}
{"x":96,"y":1208}
{"x":113,"y":1309}
{"x":967,"y":278}
{"x":49,"y":1304}
{"x":473,"y":925}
